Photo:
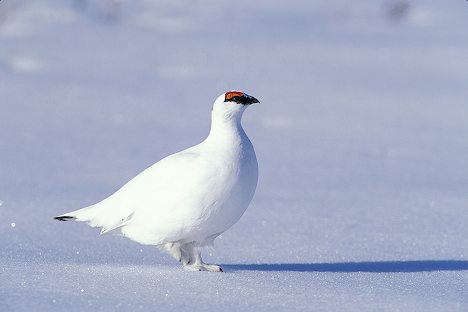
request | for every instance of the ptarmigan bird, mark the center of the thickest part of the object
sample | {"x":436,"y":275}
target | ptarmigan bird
{"x":184,"y":201}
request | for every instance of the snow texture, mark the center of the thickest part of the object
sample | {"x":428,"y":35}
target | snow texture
{"x":360,"y":136}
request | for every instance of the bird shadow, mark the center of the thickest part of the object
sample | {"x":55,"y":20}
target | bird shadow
{"x":349,"y":267}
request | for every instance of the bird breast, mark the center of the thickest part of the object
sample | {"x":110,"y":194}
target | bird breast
{"x":232,"y":184}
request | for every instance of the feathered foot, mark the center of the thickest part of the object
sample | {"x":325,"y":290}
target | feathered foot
{"x":190,"y":257}
{"x":203,"y":267}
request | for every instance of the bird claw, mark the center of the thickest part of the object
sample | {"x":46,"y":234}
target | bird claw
{"x":213,"y":268}
{"x":203,"y":267}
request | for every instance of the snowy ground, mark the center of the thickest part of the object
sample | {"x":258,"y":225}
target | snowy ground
{"x":360,"y":135}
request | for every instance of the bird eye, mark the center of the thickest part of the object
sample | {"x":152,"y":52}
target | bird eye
{"x":234,"y":99}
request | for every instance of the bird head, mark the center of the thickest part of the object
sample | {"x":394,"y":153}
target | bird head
{"x":232,"y":103}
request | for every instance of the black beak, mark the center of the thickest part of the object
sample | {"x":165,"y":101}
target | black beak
{"x":248,"y":100}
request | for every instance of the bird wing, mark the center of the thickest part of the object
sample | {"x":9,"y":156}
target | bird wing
{"x":141,"y":192}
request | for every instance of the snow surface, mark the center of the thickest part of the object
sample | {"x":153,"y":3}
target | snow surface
{"x":360,"y":136}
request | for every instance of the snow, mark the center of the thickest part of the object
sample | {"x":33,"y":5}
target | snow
{"x":361,"y":203}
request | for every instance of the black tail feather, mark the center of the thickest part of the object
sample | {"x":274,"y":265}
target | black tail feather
{"x":64,"y":218}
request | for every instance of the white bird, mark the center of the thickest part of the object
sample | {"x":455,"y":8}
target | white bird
{"x":184,"y":201}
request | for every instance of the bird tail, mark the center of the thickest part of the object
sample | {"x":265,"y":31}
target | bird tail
{"x":64,"y":218}
{"x":76,"y":215}
{"x":98,"y":216}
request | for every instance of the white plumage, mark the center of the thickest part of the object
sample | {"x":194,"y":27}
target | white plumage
{"x":184,"y":201}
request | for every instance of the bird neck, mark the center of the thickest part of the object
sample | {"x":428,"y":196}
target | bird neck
{"x":226,"y":130}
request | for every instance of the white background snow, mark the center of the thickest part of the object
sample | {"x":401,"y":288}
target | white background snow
{"x":361,"y":136}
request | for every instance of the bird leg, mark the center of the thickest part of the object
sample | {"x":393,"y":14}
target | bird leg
{"x":195,"y":262}
{"x":189,"y":255}
{"x":175,"y":249}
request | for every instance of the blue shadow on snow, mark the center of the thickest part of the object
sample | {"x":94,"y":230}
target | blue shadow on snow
{"x":367,"y":266}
